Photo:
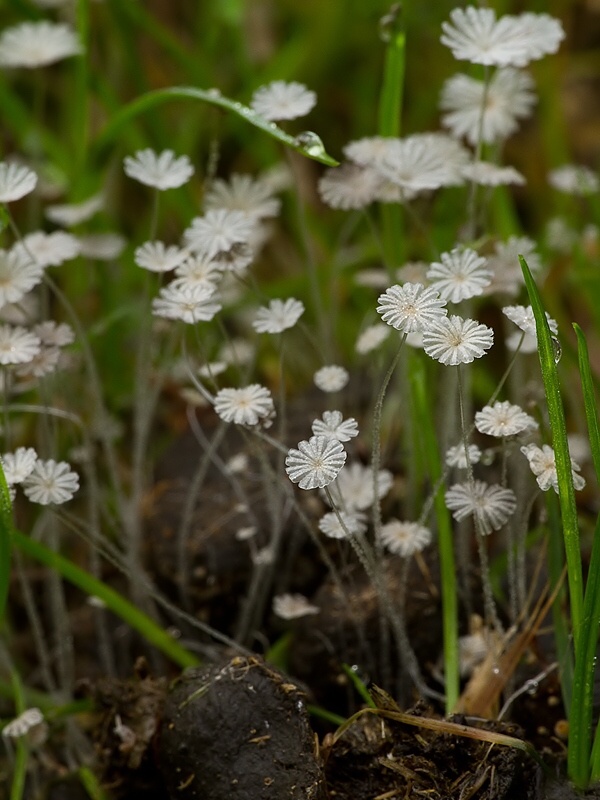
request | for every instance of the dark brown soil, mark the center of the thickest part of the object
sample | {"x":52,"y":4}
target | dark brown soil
{"x":240,"y":728}
{"x":387,"y":759}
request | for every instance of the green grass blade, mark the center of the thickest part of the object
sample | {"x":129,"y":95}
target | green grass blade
{"x":504,"y":214}
{"x":279,"y":652}
{"x":589,"y":399}
{"x":17,"y":786}
{"x":595,"y":758}
{"x":556,"y":563}
{"x":580,"y":720}
{"x":113,"y":600}
{"x":566,"y":492}
{"x":54,"y":712}
{"x":17,"y":118}
{"x":328,"y":716}
{"x":390,"y":116}
{"x":79,"y":107}
{"x":33,"y":697}
{"x":359,"y":685}
{"x":91,"y":784}
{"x":579,"y":734}
{"x":445,"y":536}
{"x":390,"y":101}
{"x":6,"y":529}
{"x":310,"y":147}
{"x":45,"y":702}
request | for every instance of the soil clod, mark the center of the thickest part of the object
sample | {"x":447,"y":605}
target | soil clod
{"x":239,"y":730}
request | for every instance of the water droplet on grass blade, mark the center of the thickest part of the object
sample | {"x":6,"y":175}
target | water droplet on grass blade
{"x":390,"y":23}
{"x":311,"y":143}
{"x":556,"y":346}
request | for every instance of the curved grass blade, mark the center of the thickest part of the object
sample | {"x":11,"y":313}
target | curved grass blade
{"x":152,"y":632}
{"x":579,"y":734}
{"x":566,"y":491}
{"x":306,"y":143}
{"x":328,"y":716}
{"x":358,"y":685}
